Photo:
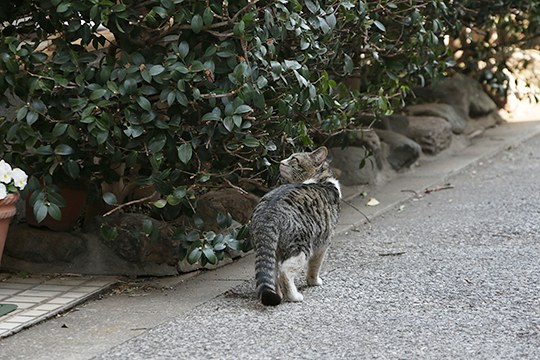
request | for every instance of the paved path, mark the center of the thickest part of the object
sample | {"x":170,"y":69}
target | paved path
{"x":38,"y":298}
{"x":454,"y":274}
{"x":451,"y":274}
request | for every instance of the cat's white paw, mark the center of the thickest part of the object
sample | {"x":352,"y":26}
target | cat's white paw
{"x":314,"y":281}
{"x":295,"y":297}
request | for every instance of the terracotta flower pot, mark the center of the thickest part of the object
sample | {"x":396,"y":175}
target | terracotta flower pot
{"x":75,"y":200}
{"x":7,"y":212}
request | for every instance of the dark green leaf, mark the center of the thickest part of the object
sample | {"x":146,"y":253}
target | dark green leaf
{"x":148,"y":226}
{"x":156,"y":70}
{"x":211,"y":116}
{"x":63,"y":149}
{"x":194,"y":234}
{"x":31,"y":117}
{"x":130,"y":86}
{"x":208,"y":16}
{"x":250,"y":141}
{"x":194,"y":256}
{"x":348,"y":64}
{"x":110,"y":198}
{"x":379,"y":25}
{"x":62,"y":7}
{"x":242,"y":109}
{"x":160,"y":204}
{"x":197,"y":23}
{"x":311,"y":6}
{"x":144,"y":103}
{"x":40,"y":211}
{"x":185,"y":152}
{"x":157,"y":143}
{"x":54,"y":211}
{"x":220,"y":246}
{"x":44,"y":150}
{"x":21,"y":114}
{"x":228,"y":123}
{"x":179,"y":192}
{"x":183,"y":49}
{"x":173,"y":200}
{"x":97,"y":94}
{"x":224,"y":220}
{"x":210,"y":255}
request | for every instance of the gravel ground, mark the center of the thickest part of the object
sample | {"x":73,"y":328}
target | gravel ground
{"x":452,"y":275}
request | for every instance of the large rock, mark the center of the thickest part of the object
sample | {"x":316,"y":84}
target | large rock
{"x":134,"y":244}
{"x":226,"y":200}
{"x":459,"y":91}
{"x":455,"y":116}
{"x":42,"y":246}
{"x":349,"y":160}
{"x":434,"y":134}
{"x":477,"y":125}
{"x":356,"y":138}
{"x":395,"y":122}
{"x":402,"y":151}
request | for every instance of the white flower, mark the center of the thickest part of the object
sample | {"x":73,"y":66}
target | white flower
{"x":19,"y":178}
{"x":3,"y":191}
{"x":5,"y":172}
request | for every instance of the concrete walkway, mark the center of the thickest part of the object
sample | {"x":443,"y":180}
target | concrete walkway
{"x":188,"y":310}
{"x":39,"y":298}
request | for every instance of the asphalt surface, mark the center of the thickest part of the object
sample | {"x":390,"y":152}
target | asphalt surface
{"x":454,"y":274}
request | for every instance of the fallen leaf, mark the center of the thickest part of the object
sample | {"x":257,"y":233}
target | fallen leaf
{"x":373,"y":202}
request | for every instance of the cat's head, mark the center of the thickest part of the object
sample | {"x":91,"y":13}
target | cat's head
{"x":303,"y":166}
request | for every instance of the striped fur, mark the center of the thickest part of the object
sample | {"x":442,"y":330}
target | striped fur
{"x":292,"y":225}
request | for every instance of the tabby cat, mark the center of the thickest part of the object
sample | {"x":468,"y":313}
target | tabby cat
{"x":292,"y":225}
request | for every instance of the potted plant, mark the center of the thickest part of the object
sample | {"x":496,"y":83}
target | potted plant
{"x":11,"y":182}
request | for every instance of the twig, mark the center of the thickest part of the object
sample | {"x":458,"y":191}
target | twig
{"x":412,"y":191}
{"x":439,"y":188}
{"x":141,"y":200}
{"x":392,"y":253}
{"x":217,"y":96}
{"x":236,"y":187}
{"x":357,"y":209}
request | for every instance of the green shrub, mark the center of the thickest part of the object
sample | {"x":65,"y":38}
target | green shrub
{"x":183,"y":95}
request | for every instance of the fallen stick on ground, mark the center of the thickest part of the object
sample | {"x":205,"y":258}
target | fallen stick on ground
{"x":439,"y":188}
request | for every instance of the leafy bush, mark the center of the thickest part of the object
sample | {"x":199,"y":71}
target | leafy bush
{"x":183,"y":95}
{"x":485,"y":36}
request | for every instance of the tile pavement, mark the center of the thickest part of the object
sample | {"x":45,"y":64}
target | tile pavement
{"x":41,"y":297}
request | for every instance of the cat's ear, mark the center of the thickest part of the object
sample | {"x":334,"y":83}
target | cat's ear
{"x":319,"y":155}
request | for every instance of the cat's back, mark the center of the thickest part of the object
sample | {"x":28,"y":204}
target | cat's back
{"x":313,"y":199}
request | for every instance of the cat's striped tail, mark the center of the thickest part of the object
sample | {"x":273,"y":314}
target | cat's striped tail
{"x":266,"y":272}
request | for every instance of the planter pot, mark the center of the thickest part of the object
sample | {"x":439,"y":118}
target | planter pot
{"x":75,"y":200}
{"x":7,"y":212}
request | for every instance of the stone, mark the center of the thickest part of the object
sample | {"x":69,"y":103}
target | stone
{"x":477,"y":125}
{"x":455,"y":116}
{"x":395,"y":122}
{"x":460,"y":91}
{"x":43,"y":246}
{"x":434,"y":134}
{"x":239,"y":204}
{"x":133,"y":244}
{"x":402,"y":151}
{"x":365,"y":138}
{"x":348,"y":160}
{"x":96,"y":259}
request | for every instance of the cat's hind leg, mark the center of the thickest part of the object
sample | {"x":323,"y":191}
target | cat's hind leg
{"x":287,"y":272}
{"x":314,"y":266}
